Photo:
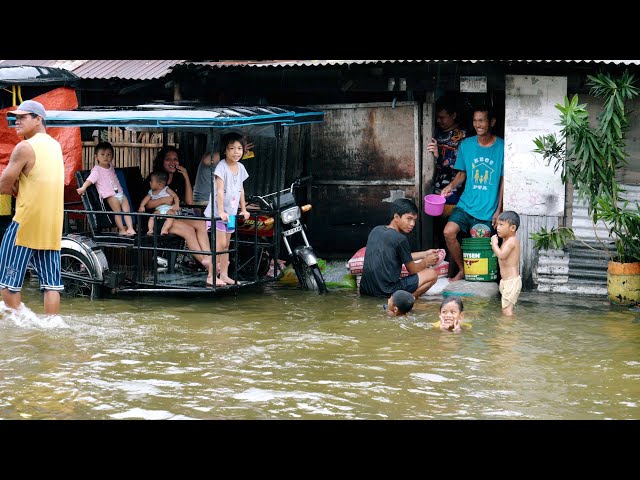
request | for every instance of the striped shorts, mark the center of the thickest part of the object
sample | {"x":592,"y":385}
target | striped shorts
{"x":14,"y":260}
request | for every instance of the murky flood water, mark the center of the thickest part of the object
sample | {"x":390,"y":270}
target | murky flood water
{"x":276,"y":352}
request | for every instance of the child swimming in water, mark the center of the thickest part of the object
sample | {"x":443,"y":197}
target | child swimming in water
{"x":451,"y":315}
{"x":400,"y":303}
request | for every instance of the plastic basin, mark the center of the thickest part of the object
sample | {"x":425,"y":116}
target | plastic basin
{"x":434,"y":204}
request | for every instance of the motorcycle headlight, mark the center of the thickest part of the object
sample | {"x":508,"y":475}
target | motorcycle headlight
{"x":290,"y":214}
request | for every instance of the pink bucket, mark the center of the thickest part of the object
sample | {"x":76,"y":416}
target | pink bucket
{"x":434,"y":205}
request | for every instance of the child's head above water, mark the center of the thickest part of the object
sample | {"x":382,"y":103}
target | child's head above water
{"x":400,"y":303}
{"x":451,"y":313}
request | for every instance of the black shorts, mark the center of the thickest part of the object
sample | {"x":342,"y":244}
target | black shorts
{"x":409,"y":283}
{"x":467,"y":223}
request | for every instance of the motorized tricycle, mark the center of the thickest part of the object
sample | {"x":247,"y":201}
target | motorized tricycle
{"x":96,"y":261}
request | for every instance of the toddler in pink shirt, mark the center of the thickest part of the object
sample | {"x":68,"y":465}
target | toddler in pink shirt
{"x":103,"y":175}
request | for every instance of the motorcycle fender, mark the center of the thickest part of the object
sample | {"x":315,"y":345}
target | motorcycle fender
{"x":90,"y":249}
{"x":307,"y":255}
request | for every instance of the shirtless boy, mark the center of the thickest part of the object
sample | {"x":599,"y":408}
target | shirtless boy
{"x":508,"y":259}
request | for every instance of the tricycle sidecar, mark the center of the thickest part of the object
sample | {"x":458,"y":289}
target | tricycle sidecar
{"x":96,"y":261}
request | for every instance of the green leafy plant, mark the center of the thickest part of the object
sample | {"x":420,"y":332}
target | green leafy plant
{"x":589,"y":159}
{"x":554,"y":238}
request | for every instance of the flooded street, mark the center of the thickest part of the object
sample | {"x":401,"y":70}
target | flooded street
{"x":276,"y":352}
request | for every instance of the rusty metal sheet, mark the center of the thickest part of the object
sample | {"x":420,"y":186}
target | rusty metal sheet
{"x":362,"y":157}
{"x":367,"y":143}
{"x":343,"y":216}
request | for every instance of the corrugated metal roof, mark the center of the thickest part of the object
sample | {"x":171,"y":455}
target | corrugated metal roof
{"x":129,"y":69}
{"x":154,"y":69}
{"x":294,"y":63}
{"x":320,"y":63}
{"x":300,"y":63}
{"x":614,"y":62}
{"x":69,"y":65}
{"x":104,"y":69}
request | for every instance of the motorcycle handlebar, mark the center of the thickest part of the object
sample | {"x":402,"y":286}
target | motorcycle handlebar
{"x":299,"y":181}
{"x":262,"y":199}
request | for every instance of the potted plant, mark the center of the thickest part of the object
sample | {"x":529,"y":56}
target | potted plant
{"x":589,"y":159}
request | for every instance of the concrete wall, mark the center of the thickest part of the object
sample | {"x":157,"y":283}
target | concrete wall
{"x":531,"y":188}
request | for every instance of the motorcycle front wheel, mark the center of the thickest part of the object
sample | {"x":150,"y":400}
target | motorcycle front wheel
{"x":312,"y":278}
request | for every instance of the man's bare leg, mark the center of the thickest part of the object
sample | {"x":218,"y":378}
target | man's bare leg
{"x":51,"y":302}
{"x":451,"y":231}
{"x":11,"y":299}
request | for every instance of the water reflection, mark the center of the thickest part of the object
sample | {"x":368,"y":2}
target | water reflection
{"x":280,"y":353}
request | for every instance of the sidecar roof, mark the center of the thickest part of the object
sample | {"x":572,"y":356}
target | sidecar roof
{"x":161,"y":116}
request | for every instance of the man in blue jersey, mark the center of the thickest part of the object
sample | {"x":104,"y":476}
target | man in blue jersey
{"x":481,"y":168}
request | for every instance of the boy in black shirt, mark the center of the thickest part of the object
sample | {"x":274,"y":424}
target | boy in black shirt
{"x":388,"y":248}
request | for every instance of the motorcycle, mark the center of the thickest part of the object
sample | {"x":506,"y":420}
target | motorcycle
{"x":255,"y":238}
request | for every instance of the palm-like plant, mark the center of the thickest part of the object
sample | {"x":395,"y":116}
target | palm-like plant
{"x":589,"y":158}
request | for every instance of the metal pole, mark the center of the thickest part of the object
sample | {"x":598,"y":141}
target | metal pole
{"x":279,"y":131}
{"x":212,"y":230}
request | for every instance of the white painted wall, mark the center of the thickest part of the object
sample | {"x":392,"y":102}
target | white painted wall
{"x":530,"y":186}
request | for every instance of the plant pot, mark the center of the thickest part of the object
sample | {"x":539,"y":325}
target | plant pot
{"x":623,"y":283}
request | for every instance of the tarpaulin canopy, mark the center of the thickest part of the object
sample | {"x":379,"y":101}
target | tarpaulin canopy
{"x":69,"y":138}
